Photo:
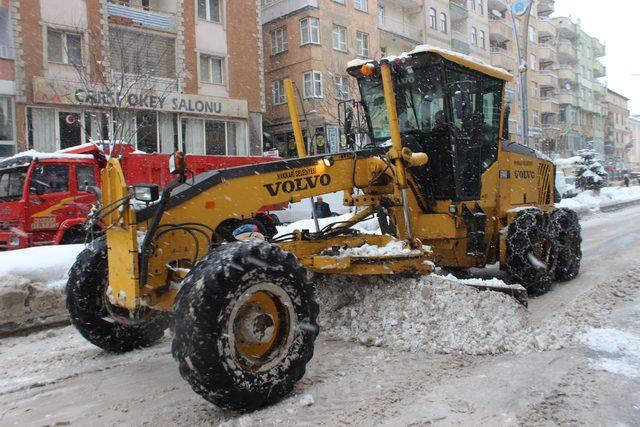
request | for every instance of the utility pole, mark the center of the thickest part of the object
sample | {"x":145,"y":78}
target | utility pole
{"x":522,"y":8}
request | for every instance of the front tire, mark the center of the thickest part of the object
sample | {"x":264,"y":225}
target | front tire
{"x":245,"y":325}
{"x":531,"y":253}
{"x":109,"y":327}
{"x":566,"y":229}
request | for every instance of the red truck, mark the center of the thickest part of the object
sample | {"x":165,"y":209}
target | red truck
{"x":45,"y":197}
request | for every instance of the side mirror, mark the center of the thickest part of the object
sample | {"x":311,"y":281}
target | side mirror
{"x":147,"y":193}
{"x":177,"y":163}
{"x":348,"y":120}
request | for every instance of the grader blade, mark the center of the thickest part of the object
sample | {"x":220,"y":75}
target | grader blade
{"x":516,"y":291}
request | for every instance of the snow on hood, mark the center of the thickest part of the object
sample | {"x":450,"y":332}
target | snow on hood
{"x":37,"y":155}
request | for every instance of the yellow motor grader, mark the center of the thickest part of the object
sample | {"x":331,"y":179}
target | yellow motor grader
{"x":439,"y":173}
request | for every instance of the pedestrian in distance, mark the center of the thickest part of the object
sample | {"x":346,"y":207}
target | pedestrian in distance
{"x":322,"y":208}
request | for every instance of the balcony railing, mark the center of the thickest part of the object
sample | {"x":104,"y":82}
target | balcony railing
{"x":567,"y":97}
{"x":547,"y":53}
{"x":548,"y":78}
{"x":458,"y":11}
{"x":546,"y":28}
{"x":566,"y":52}
{"x":500,"y":30}
{"x":400,"y":28}
{"x":128,"y":15}
{"x":275,"y":9}
{"x":550,"y":105}
{"x":566,"y":72}
{"x":599,"y":70}
{"x":460,"y":45}
{"x":502,"y":58}
{"x":565,"y":28}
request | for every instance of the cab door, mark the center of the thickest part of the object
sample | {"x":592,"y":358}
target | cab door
{"x":83,"y":182}
{"x":50,"y":197}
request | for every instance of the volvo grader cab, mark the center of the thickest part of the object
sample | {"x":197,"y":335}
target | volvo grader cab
{"x":446,"y":185}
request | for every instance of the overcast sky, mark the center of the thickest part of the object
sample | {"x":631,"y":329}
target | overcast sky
{"x":617,"y":23}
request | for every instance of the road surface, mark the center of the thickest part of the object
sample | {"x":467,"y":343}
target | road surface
{"x":589,"y":374}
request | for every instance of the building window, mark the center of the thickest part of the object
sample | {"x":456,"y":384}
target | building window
{"x":381,"y":14}
{"x":211,"y":70}
{"x":474,"y":36}
{"x":339,"y":38}
{"x":7,"y":144}
{"x":312,"y":84}
{"x":310,"y":30}
{"x":209,"y":10}
{"x":279,"y":40}
{"x":443,"y":22}
{"x":132,"y":52}
{"x":339,"y":1}
{"x":278,"y":92}
{"x":534,"y":89}
{"x":481,"y":7}
{"x":6,"y":36}
{"x":471,"y":4}
{"x":532,"y":34}
{"x":533,"y":60}
{"x":342,"y":87}
{"x":64,"y":48}
{"x":482,"y":39}
{"x":361,"y":5}
{"x":432,"y":18}
{"x":362,"y":44}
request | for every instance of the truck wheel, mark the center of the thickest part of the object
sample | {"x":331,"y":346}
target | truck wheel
{"x":73,"y":236}
{"x":567,"y":235}
{"x":105,"y":325}
{"x":245,"y":325}
{"x":531,"y":253}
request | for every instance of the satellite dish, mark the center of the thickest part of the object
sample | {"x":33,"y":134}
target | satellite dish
{"x":519,"y":7}
{"x":496,"y":13}
{"x":567,"y":86}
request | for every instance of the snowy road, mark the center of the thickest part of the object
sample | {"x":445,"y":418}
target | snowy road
{"x":590,"y":375}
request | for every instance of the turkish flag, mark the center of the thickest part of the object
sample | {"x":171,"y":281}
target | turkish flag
{"x":5,"y":3}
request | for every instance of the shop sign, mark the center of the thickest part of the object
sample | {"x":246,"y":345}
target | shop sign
{"x":47,"y":91}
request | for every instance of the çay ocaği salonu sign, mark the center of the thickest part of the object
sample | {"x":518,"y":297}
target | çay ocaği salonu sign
{"x":49,"y":91}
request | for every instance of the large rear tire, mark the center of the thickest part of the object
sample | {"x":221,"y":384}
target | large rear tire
{"x":245,"y":325}
{"x":566,"y":229}
{"x":531,"y":252}
{"x":109,"y":327}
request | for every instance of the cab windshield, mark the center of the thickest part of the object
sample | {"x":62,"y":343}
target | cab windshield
{"x":12,"y":184}
{"x":419,"y":101}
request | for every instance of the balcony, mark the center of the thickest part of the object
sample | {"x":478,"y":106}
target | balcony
{"x":500,"y":5}
{"x":598,"y":89}
{"x":499,"y":30}
{"x":549,"y":105}
{"x":459,"y":10}
{"x":502,"y":58}
{"x":407,"y":4}
{"x":402,"y":29}
{"x":547,"y":79}
{"x":587,"y":105}
{"x":599,"y":49}
{"x":599,"y":70}
{"x":566,"y":72}
{"x":565,"y":28}
{"x":274,"y":9}
{"x":123,"y":14}
{"x":566,"y":52}
{"x":547,"y":53}
{"x":567,"y":97}
{"x":459,"y":44}
{"x":546,"y":28}
{"x":545,"y":7}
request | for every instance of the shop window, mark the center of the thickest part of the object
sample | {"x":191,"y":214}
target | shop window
{"x":147,"y":131}
{"x":70,"y":129}
{"x":85,"y":177}
{"x":64,"y":48}
{"x":211,"y":70}
{"x":96,"y":126}
{"x":215,"y":138}
{"x":209,"y":10}
{"x":7,"y":142}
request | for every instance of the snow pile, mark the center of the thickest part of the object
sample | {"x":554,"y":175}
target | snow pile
{"x":425,"y":314}
{"x":393,"y":248}
{"x":40,"y":264}
{"x":568,"y":162}
{"x":32,"y":284}
{"x":609,"y":196}
{"x":25,"y":304}
{"x":369,"y":226}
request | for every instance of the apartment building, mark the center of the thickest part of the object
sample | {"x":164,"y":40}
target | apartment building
{"x":459,"y":25}
{"x":159,"y":73}
{"x":7,"y":84}
{"x":618,"y":130}
{"x":311,"y":42}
